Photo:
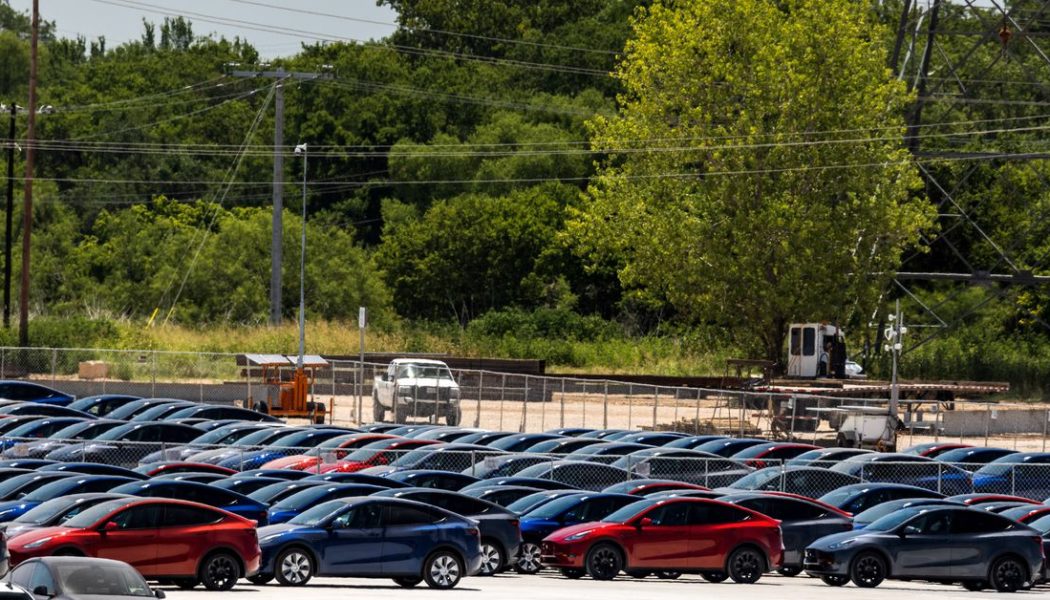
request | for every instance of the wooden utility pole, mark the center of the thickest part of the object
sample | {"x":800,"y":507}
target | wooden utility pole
{"x":8,"y":217}
{"x":27,"y":194}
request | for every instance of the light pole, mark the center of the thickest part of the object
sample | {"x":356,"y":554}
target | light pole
{"x":302,"y":149}
{"x":894,"y":338}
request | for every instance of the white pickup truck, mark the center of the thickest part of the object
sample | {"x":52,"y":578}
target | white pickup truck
{"x":416,"y":387}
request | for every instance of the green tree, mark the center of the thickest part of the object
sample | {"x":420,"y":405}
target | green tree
{"x":714,"y":195}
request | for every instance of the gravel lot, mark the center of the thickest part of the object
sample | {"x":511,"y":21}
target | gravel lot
{"x":554,"y":587}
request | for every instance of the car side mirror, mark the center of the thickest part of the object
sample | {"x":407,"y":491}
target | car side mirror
{"x":644,"y":522}
{"x":41,"y":590}
{"x":908,"y":530}
{"x":110,"y":526}
{"x":160,"y":594}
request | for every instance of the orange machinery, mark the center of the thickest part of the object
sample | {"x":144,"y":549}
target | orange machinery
{"x":288,"y":389}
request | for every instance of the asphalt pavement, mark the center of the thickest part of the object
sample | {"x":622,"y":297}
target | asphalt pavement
{"x":554,"y":587}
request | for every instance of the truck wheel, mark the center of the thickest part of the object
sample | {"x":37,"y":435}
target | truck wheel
{"x":400,"y":413}
{"x":378,"y":412}
{"x":453,"y":417}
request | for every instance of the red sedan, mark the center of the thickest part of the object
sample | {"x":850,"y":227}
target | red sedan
{"x":184,"y":542}
{"x":376,"y":454}
{"x":689,"y":535}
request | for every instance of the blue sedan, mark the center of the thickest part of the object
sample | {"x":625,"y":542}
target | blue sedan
{"x":1023,"y":474}
{"x":305,"y":499}
{"x":341,"y":539}
{"x":66,"y":486}
{"x":238,"y":504}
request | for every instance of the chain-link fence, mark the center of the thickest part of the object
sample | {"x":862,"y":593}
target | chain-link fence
{"x":531,"y":403}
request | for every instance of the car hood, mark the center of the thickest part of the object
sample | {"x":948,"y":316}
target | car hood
{"x":342,"y":466}
{"x":296,"y":462}
{"x":39,"y":534}
{"x":14,"y":529}
{"x":11,"y":509}
{"x":539,"y":525}
{"x":572,"y":529}
{"x":272,"y":533}
{"x":214,"y":456}
{"x":837,"y":538}
{"x":427,"y":381}
{"x":380,"y":470}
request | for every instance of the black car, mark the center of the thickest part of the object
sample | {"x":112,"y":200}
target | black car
{"x":581,"y":474}
{"x":605,"y":452}
{"x":110,"y":447}
{"x":212,"y":411}
{"x":500,"y":532}
{"x":825,"y":457}
{"x":520,"y":442}
{"x":502,"y":495}
{"x":804,"y":481}
{"x":543,"y":484}
{"x":532,"y":501}
{"x":932,"y":543}
{"x":336,"y":477}
{"x":246,"y":485}
{"x":505,"y":465}
{"x":102,"y":404}
{"x":92,"y":469}
{"x":79,"y":577}
{"x":802,"y":522}
{"x":83,"y":430}
{"x":691,"y":466}
{"x":859,"y":497}
{"x":442,"y":480}
{"x":562,"y":445}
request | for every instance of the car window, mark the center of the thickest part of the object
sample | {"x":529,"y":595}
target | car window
{"x":935,"y":523}
{"x":979,"y":522}
{"x":713,"y":514}
{"x":138,"y":517}
{"x":41,"y":578}
{"x":180,"y":516}
{"x":407,"y":515}
{"x":670,"y":514}
{"x":23,"y":574}
{"x":366,"y":516}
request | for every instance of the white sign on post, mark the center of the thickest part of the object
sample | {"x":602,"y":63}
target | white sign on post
{"x":362,"y":314}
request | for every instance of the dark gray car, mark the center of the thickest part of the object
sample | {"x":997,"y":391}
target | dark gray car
{"x":932,"y":543}
{"x":73,"y":577}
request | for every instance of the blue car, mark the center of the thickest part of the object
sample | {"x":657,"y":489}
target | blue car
{"x":565,"y":511}
{"x":973,"y":459}
{"x":908,"y":469}
{"x":246,"y":485}
{"x":102,"y":404}
{"x":33,"y":392}
{"x":290,"y":506}
{"x":238,"y":504}
{"x":64,"y":486}
{"x":859,"y":497}
{"x":339,"y":539}
{"x":878,"y":511}
{"x":1024,"y":474}
{"x":296,"y":443}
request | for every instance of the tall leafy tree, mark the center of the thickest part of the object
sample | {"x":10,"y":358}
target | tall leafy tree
{"x":755,"y":174}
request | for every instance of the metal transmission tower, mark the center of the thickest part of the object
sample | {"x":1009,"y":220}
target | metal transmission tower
{"x":976,"y":65}
{"x":276,"y":258}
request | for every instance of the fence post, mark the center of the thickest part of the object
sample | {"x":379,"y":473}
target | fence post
{"x":481,"y":385}
{"x":656,"y":404}
{"x":54,"y":364}
{"x":1045,"y":421}
{"x":502,"y":392}
{"x":561,"y":420}
{"x":987,"y":421}
{"x":783,"y":476}
{"x":940,"y":476}
{"x":543,"y":405}
{"x":583,"y":403}
{"x":605,"y":407}
{"x":524,"y":406}
{"x":696,"y":424}
{"x":153,"y":375}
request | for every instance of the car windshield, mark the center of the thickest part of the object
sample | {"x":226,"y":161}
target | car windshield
{"x":757,"y":479}
{"x":116,"y":432}
{"x":541,"y":470}
{"x":78,"y":430}
{"x":316,"y":515}
{"x":839,"y":497}
{"x":894,"y":519}
{"x":107,"y":580}
{"x":52,"y":490}
{"x":527,"y":503}
{"x":411,"y":458}
{"x":629,"y":512}
{"x":878,"y":511}
{"x":1000,"y":466}
{"x":806,"y":457}
{"x":1042,"y":524}
{"x":23,"y":430}
{"x":554,"y":508}
{"x":424,"y":371}
{"x":221,"y":434}
{"x":753,"y":451}
{"x":336,"y":441}
{"x":92,"y":515}
{"x":261,"y":436}
{"x":304,"y":498}
{"x":45,"y":512}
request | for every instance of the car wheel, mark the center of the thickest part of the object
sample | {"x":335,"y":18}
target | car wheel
{"x":378,"y":412}
{"x":746,"y":565}
{"x":789,"y":571}
{"x":294,"y":567}
{"x":668,"y":574}
{"x":261,"y":578}
{"x":573,"y":573}
{"x":400,"y":413}
{"x":186,"y":583}
{"x":408,"y":582}
{"x":975,"y":586}
{"x":714,"y":577}
{"x":1008,"y":574}
{"x":835,"y":580}
{"x":453,"y":417}
{"x":639,"y":574}
{"x":528,"y":559}
{"x":491,"y":558}
{"x":220,"y":572}
{"x":604,"y":562}
{"x":443,"y":570}
{"x":867,"y":570}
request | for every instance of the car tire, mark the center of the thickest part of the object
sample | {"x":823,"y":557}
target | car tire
{"x":603,"y":562}
{"x":668,"y":574}
{"x":867,"y":570}
{"x":528,"y":562}
{"x":453,"y":417}
{"x":378,"y":412}
{"x":975,"y":586}
{"x":220,"y":571}
{"x":400,"y":413}
{"x":261,"y":578}
{"x":835,"y":580}
{"x":186,"y":583}
{"x":294,"y":566}
{"x":491,"y":558}
{"x":1008,"y":574}
{"x":408,"y":582}
{"x":443,"y":570}
{"x":714,"y":577}
{"x":639,"y":574}
{"x":789,"y":571}
{"x":573,"y":573}
{"x":746,"y":565}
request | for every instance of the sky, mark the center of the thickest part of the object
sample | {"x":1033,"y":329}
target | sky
{"x":121,"y":20}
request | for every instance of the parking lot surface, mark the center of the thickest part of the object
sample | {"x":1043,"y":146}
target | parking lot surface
{"x":554,"y":587}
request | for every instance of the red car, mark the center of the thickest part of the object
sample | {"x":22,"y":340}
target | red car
{"x":182,"y":542}
{"x":376,"y":454}
{"x":688,"y":535}
{"x":327,"y":452}
{"x":773,"y":453}
{"x":934,"y":449}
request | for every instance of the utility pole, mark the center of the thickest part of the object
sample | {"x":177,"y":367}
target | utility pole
{"x":276,"y":254}
{"x":8,"y":217}
{"x":27,"y":195}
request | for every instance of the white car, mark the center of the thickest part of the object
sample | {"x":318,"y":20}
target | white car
{"x":416,"y":388}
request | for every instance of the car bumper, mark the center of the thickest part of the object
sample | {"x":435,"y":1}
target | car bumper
{"x":561,"y":556}
{"x":818,"y":562}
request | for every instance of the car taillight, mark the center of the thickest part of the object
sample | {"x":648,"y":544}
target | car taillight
{"x":474,"y":532}
{"x":515,"y":522}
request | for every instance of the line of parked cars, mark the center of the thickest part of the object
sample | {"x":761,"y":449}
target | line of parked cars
{"x":239,"y":494}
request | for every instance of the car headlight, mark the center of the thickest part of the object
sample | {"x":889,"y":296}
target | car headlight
{"x":842,"y":544}
{"x":578,"y":535}
{"x":272,"y":536}
{"x":38,"y":543}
